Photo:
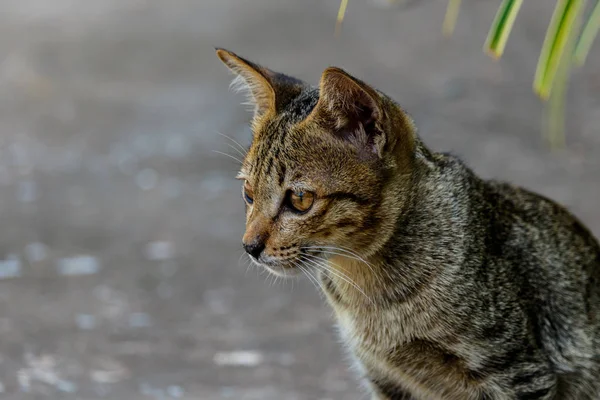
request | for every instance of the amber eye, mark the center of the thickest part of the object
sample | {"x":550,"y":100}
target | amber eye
{"x":247,"y":193}
{"x":301,"y":201}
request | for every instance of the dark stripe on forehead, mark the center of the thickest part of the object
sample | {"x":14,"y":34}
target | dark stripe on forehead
{"x":282,"y":171}
{"x":266,"y":139}
{"x":269,"y":165}
{"x":272,"y":147}
{"x":348,"y":196}
{"x":284,"y":131}
{"x":297,"y":111}
{"x":273,"y":133}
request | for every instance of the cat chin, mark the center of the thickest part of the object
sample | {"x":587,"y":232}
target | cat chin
{"x":281,"y":272}
{"x":277,"y":269}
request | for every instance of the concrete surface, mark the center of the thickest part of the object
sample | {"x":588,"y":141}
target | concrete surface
{"x":120,"y":268}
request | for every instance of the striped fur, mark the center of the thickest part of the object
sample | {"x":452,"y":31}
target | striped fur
{"x":444,"y":285}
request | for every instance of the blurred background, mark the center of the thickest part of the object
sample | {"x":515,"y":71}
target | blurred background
{"x":121,"y":274}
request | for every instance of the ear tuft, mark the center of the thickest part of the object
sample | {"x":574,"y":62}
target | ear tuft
{"x":250,"y":78}
{"x":268,"y":91}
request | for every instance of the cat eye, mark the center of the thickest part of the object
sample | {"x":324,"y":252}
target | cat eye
{"x":301,"y":201}
{"x":247,"y":193}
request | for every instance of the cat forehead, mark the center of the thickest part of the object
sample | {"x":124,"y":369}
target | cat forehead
{"x":299,"y":153}
{"x":286,"y":133}
{"x":284,"y":144}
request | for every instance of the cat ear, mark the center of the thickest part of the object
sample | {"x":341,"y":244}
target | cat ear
{"x":351,"y":109}
{"x":267,"y":90}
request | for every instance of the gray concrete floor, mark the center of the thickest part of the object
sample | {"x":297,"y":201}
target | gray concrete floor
{"x":120,"y":271}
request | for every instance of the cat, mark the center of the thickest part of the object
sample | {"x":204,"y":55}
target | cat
{"x":444,"y":285}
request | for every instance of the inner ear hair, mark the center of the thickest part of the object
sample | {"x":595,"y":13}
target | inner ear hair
{"x":252,"y":79}
{"x":269,"y":91}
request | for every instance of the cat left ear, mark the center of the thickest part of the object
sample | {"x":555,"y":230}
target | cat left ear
{"x":267,"y":90}
{"x":351,"y":109}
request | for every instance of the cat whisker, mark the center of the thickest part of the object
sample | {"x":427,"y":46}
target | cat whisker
{"x":323,"y":260}
{"x":321,"y":263}
{"x":284,"y":277}
{"x":306,"y":271}
{"x":241,"y":148}
{"x":327,"y":263}
{"x":301,"y":268}
{"x":325,"y":251}
{"x":272,"y":279}
{"x":376,"y":275}
{"x":236,"y":150}
{"x":346,"y":279}
{"x":342,"y":252}
{"x":248,"y":263}
{"x":340,"y":249}
{"x":228,"y":155}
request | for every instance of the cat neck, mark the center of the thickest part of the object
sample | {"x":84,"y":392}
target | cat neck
{"x":426,"y":246}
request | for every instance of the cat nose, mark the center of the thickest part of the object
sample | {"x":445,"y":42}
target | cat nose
{"x":254,"y":248}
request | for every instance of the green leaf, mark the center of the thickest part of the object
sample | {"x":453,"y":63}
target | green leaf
{"x":340,"y":16}
{"x":556,"y":106}
{"x":501,"y":27}
{"x":589,"y":33}
{"x":562,"y":26}
{"x":451,"y":17}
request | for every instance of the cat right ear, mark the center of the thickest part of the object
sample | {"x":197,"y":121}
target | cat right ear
{"x":251,"y":79}
{"x":351,"y":110}
{"x":268,"y":91}
{"x":357,"y":113}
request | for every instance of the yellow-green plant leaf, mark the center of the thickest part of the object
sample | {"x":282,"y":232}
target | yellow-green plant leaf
{"x":589,"y":33}
{"x":555,"y":119}
{"x":501,"y":27}
{"x":561,"y":27}
{"x":556,"y":108}
{"x":340,"y":16}
{"x":451,"y":17}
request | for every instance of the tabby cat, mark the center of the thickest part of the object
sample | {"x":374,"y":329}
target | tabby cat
{"x":444,"y":285}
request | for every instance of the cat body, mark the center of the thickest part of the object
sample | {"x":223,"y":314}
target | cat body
{"x":496,"y":316}
{"x":444,"y":285}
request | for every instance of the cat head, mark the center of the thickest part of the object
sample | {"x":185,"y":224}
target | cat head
{"x":328,"y":168}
